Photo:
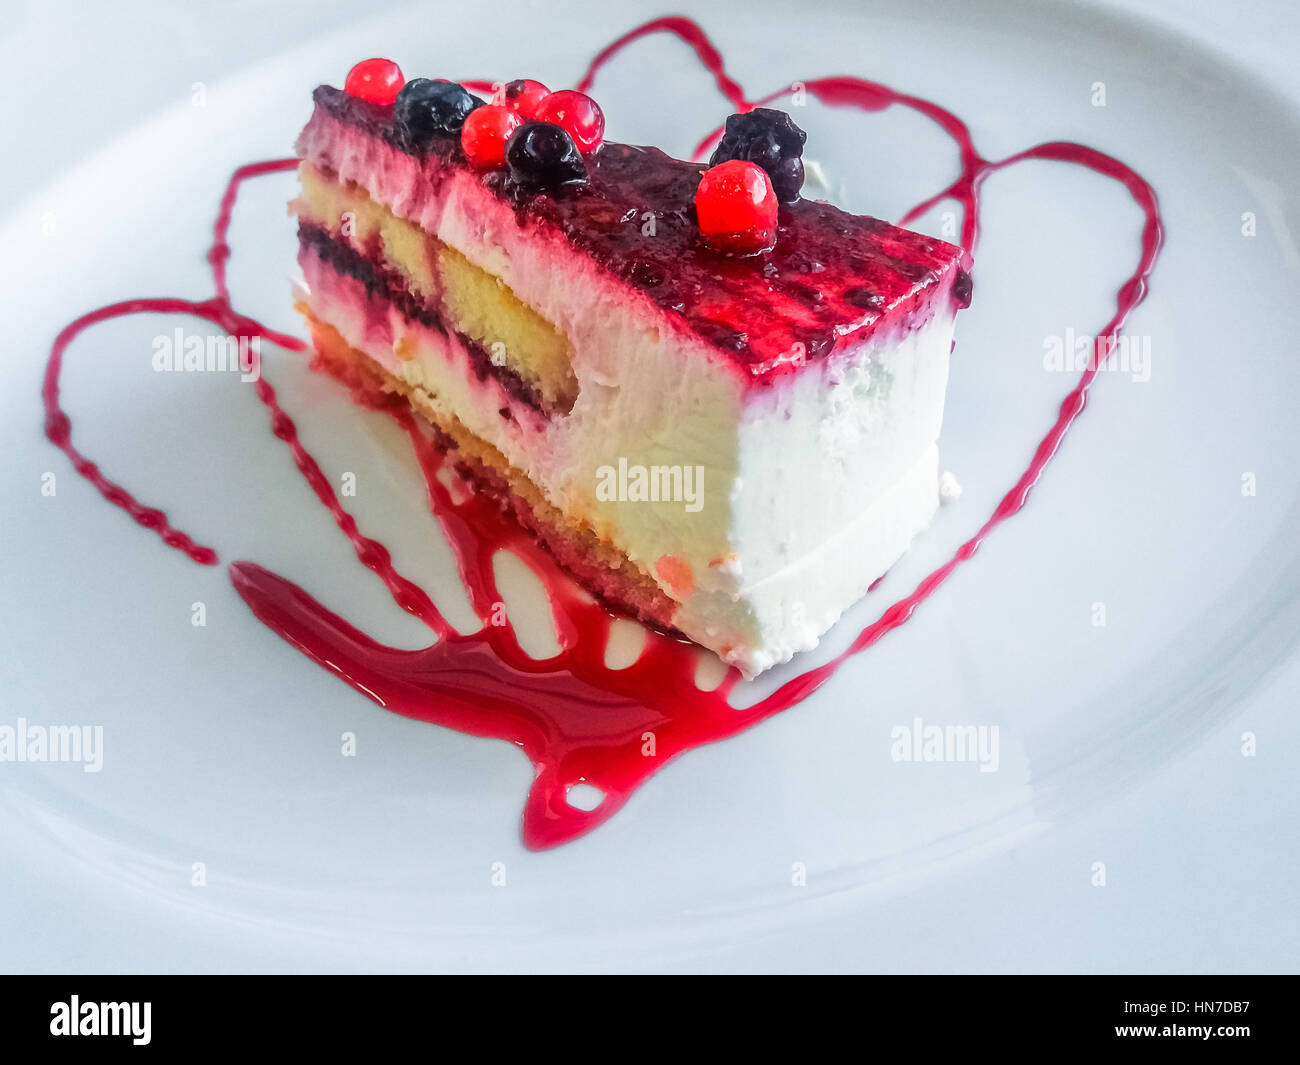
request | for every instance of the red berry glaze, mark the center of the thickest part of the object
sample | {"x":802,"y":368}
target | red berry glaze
{"x":577,"y":114}
{"x":523,"y":96}
{"x":736,"y":207}
{"x":484,"y":135}
{"x":376,"y":80}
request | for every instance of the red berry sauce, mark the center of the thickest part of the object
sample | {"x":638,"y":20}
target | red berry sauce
{"x":523,"y":96}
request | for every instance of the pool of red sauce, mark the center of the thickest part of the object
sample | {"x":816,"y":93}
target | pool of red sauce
{"x":576,"y":719}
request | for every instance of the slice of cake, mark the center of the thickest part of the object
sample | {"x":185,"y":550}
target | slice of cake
{"x":716,"y":403}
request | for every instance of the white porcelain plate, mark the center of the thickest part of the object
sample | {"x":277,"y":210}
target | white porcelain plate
{"x":1120,"y":634}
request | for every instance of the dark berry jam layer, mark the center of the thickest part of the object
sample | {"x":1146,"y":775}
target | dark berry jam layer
{"x":831,"y":279}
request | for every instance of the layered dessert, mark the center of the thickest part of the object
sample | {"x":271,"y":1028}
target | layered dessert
{"x":714,"y":401}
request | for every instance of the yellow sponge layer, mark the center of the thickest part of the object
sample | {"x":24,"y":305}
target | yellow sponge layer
{"x":484,"y":308}
{"x":352,"y":216}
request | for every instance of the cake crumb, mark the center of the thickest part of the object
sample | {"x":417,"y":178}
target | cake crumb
{"x":949,"y":489}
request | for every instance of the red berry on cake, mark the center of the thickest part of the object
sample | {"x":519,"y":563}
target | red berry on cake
{"x":523,"y":95}
{"x":485,"y":133}
{"x":577,"y":114}
{"x":736,"y":207}
{"x":376,"y":80}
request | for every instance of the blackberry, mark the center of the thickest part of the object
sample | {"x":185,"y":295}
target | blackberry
{"x":771,"y":139}
{"x":425,"y":108}
{"x":539,"y":154}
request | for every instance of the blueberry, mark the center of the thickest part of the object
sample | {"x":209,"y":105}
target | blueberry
{"x":541,"y":154}
{"x":962,"y":287}
{"x":765,"y":150}
{"x":770,"y":139}
{"x":787,"y":178}
{"x":424,"y":108}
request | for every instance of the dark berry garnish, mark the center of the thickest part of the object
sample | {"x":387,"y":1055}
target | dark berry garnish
{"x":425,"y":108}
{"x":962,"y":287}
{"x":523,"y":96}
{"x":736,"y":207}
{"x":375,"y":80}
{"x":577,"y":114}
{"x":541,"y":154}
{"x":771,"y":139}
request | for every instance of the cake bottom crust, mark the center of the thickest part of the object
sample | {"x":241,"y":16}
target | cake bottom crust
{"x":595,"y":564}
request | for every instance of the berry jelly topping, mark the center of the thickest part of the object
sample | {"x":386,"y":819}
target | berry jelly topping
{"x":523,"y":95}
{"x":828,"y":280}
{"x":542,"y":155}
{"x":485,"y":133}
{"x":578,"y":114}
{"x":376,"y":81}
{"x":736,"y":207}
{"x":426,"y":108}
{"x":771,"y":139}
{"x":830,"y":277}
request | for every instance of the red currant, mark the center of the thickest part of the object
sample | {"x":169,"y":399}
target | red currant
{"x":523,"y":95}
{"x":577,"y":114}
{"x":376,"y":80}
{"x":736,"y":207}
{"x":484,"y":135}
